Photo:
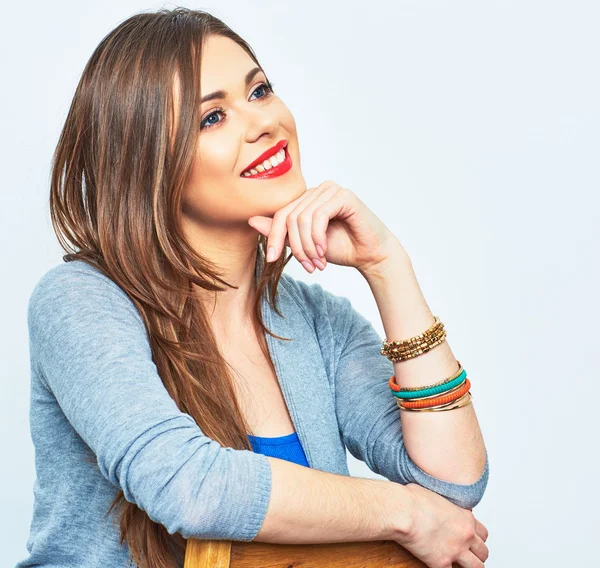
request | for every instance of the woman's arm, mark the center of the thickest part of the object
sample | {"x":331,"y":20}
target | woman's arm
{"x":90,"y":344}
{"x":310,"y":506}
{"x":447,"y":444}
{"x":369,"y":419}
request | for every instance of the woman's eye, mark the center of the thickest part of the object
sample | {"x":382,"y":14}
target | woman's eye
{"x":206,"y":124}
{"x":267,"y":88}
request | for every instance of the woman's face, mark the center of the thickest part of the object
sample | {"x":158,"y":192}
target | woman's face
{"x":234,"y":132}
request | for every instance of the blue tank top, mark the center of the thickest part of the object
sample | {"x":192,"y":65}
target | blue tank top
{"x":282,"y":447}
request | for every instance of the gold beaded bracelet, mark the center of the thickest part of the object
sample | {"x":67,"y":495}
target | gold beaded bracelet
{"x":415,"y":346}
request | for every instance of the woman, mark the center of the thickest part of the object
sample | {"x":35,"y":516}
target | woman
{"x":162,"y":410}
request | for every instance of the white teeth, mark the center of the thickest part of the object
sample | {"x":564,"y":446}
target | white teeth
{"x":273,"y":161}
{"x":276,"y":159}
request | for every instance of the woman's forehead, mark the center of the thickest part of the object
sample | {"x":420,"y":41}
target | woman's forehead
{"x":224,"y":64}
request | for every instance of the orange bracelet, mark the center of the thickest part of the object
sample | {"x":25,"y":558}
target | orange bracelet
{"x":425,"y":403}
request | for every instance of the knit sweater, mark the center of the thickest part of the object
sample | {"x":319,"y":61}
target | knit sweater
{"x":102,"y":421}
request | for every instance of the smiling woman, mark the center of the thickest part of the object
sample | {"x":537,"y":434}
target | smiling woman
{"x":244,"y":125}
{"x":148,"y":193}
{"x":174,"y":382}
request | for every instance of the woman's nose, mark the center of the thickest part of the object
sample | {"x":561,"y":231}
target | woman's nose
{"x":259,"y":121}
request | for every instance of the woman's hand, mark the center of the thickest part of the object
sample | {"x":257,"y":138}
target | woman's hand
{"x":328,"y":223}
{"x":443,"y":534}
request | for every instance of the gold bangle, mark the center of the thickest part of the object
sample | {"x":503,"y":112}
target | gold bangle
{"x":449,"y":379}
{"x":462,"y":401}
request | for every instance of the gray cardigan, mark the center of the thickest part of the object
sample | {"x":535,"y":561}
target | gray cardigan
{"x":95,"y":392}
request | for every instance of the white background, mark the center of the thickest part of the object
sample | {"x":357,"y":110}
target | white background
{"x":472,"y":130}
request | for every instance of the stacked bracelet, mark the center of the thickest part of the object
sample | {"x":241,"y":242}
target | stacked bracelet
{"x":463,"y":401}
{"x":447,"y":394}
{"x":415,"y":346}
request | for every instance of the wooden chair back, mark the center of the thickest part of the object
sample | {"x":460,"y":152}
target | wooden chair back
{"x":238,"y":554}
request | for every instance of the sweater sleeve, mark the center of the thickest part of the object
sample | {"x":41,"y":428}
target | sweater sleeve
{"x":366,"y":409}
{"x":90,"y":345}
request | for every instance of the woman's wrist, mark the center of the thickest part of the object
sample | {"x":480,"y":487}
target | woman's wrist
{"x":399,"y":508}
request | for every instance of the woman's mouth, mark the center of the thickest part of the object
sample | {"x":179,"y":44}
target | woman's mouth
{"x":276,"y":165}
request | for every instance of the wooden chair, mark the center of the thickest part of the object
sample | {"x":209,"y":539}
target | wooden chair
{"x":238,"y":554}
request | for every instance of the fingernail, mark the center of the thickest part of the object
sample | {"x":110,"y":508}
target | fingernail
{"x":308,"y":265}
{"x":271,"y":254}
{"x":320,"y":250}
{"x":318,"y":263}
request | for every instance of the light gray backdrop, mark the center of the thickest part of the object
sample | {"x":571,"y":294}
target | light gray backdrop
{"x":472,"y":130}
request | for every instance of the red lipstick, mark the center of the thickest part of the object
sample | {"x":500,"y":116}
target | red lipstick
{"x":270,"y":152}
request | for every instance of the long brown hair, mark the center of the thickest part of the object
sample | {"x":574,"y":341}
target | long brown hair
{"x":118,"y":174}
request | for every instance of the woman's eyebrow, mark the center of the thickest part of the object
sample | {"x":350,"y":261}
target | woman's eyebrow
{"x":223,"y":94}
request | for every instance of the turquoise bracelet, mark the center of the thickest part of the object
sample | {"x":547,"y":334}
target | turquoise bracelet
{"x":433,"y":390}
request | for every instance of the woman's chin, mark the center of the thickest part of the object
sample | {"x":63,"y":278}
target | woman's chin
{"x":288,"y":193}
{"x":272,"y":196}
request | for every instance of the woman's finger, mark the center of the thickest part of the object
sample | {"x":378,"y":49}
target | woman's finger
{"x":300,"y":225}
{"x":468,"y":560}
{"x":481,"y":530}
{"x":279,"y":226}
{"x":278,"y":232}
{"x":293,"y":232}
{"x":321,"y":214}
{"x":480,"y":549}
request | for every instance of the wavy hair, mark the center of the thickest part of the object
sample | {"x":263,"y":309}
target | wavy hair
{"x":118,"y":173}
